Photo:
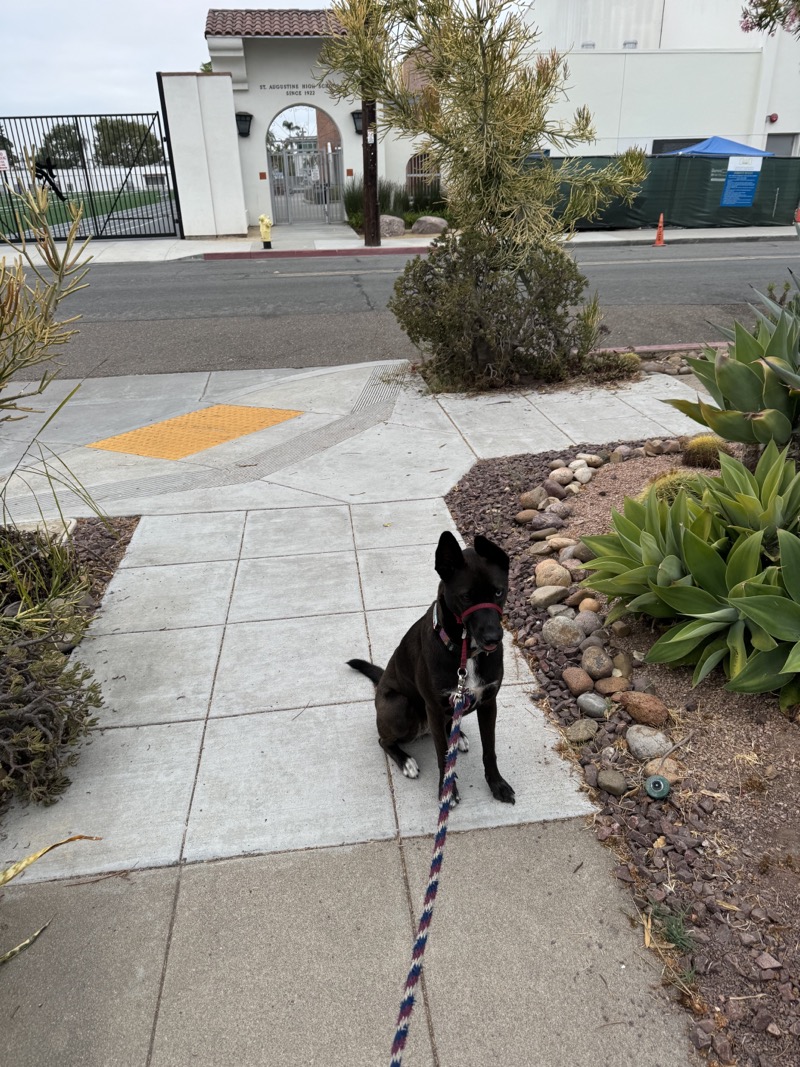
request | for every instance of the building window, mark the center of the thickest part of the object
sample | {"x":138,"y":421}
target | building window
{"x":782,"y":144}
{"x":422,"y":178}
{"x":674,"y":144}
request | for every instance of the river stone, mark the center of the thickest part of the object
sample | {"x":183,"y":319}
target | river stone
{"x":596,"y":662}
{"x":588,"y":621}
{"x":539,"y":548}
{"x":583,"y":553}
{"x":562,"y":633}
{"x":578,"y":681}
{"x":591,"y":458}
{"x":542,"y":535}
{"x":533,"y":498}
{"x":561,"y":609}
{"x":554,"y":489}
{"x":556,"y":464}
{"x":581,"y":731}
{"x":589,"y":604}
{"x":668,"y":768}
{"x":576,"y":464}
{"x":560,"y":541}
{"x":429,"y":224}
{"x":584,"y":475}
{"x":644,"y":708}
{"x":609,"y":686}
{"x":391,"y":226}
{"x":646,"y":743}
{"x":560,"y":508}
{"x":537,"y":520}
{"x":562,"y":476}
{"x":545,"y":595}
{"x":612,"y":782}
{"x":591,"y":704}
{"x":624,"y":664}
{"x":548,"y":572}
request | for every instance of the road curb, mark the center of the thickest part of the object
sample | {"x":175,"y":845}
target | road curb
{"x":306,"y":253}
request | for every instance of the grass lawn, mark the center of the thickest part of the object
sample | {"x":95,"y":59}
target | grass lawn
{"x":96,"y":205}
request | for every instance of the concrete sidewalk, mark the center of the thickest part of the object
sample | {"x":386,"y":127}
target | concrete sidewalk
{"x":254,"y":896}
{"x":340,"y":238}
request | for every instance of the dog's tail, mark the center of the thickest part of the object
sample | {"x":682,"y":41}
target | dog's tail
{"x":372,"y":672}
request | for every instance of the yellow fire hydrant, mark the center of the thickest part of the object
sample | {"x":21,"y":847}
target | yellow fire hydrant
{"x":265,"y":222}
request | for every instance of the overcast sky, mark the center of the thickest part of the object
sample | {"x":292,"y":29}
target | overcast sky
{"x":92,"y":57}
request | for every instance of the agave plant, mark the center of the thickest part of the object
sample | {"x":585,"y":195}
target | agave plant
{"x":756,"y":383}
{"x":654,"y":544}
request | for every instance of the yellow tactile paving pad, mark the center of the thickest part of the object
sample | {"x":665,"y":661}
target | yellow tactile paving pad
{"x":186,"y":434}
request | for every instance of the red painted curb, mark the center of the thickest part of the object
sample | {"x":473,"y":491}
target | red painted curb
{"x":305,"y":253}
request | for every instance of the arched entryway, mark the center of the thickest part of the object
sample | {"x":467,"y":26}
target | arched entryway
{"x":304,"y":160}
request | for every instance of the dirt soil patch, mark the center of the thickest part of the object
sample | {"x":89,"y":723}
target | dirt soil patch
{"x":714,"y":867}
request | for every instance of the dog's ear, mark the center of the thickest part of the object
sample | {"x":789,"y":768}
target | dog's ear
{"x":491,"y":552}
{"x":449,"y":557}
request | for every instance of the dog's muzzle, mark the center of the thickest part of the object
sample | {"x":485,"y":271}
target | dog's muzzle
{"x":486,"y":646}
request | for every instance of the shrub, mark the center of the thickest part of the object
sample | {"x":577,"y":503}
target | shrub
{"x":704,"y":451}
{"x":483,"y":324}
{"x":356,"y":220}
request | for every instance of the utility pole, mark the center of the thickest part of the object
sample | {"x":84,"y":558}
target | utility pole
{"x":369,"y":144}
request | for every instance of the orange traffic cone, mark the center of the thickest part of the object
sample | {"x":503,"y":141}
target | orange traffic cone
{"x":659,"y":241}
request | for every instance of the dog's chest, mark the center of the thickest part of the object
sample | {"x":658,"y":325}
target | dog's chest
{"x":475,"y":684}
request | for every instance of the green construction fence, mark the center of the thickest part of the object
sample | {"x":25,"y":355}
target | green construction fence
{"x":688,"y":189}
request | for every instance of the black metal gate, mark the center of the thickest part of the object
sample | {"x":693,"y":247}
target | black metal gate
{"x":117,"y":166}
{"x":306,"y":185}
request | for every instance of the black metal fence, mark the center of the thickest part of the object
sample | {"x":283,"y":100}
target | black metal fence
{"x":116,"y":166}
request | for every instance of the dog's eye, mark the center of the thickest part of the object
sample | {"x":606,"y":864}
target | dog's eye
{"x":499,"y":594}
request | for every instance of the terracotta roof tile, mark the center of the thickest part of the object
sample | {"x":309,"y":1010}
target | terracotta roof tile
{"x":288,"y":22}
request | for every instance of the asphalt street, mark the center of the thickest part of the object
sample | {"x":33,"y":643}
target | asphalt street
{"x":194,"y":315}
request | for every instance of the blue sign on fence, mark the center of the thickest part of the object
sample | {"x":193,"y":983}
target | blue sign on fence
{"x":741,"y":181}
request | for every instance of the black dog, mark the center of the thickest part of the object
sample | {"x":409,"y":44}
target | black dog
{"x":416,"y":691}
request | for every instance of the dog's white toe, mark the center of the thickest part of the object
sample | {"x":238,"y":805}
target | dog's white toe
{"x":411,"y":768}
{"x":463,"y":743}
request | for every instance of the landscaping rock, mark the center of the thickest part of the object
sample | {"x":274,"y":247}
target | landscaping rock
{"x":591,"y":458}
{"x":539,"y":548}
{"x":391,"y":226}
{"x":596,"y":662}
{"x":533,"y":498}
{"x":581,"y":731}
{"x":592,"y":705}
{"x":545,"y":595}
{"x":589,"y":604}
{"x":562,"y":475}
{"x":561,"y":609}
{"x":557,"y":464}
{"x":588,"y":621}
{"x":538,"y":520}
{"x":578,"y":681}
{"x":620,"y":628}
{"x":654,"y":448}
{"x":583,"y":553}
{"x":624,"y":664}
{"x":645,"y":743}
{"x":560,"y":542}
{"x":577,"y":464}
{"x":609,"y":686}
{"x":644,"y":708}
{"x":584,"y":475}
{"x":668,"y":768}
{"x":429,"y":224}
{"x":548,"y":572}
{"x":612,"y":782}
{"x":562,"y":633}
{"x":560,"y":508}
{"x":554,"y":489}
{"x":542,"y":535}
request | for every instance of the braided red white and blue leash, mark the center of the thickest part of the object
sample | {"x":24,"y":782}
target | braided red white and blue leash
{"x":462,"y":703}
{"x":414,"y":974}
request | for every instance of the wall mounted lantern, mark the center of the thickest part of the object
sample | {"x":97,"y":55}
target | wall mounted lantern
{"x":357,"y":116}
{"x":243,"y":120}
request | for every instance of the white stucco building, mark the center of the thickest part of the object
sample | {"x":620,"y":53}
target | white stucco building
{"x":658,"y":74}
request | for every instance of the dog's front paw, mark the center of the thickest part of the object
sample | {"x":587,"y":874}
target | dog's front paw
{"x":463,"y":742}
{"x":501,"y":790}
{"x":411,"y":768}
{"x":455,"y":796}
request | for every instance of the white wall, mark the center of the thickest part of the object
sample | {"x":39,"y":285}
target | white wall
{"x":683,"y":24}
{"x":202,"y":128}
{"x":635,"y":97}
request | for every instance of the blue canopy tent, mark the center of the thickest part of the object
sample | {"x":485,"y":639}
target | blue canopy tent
{"x":719,"y":147}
